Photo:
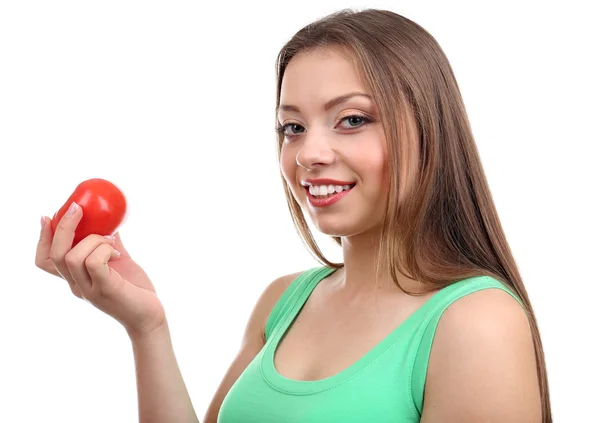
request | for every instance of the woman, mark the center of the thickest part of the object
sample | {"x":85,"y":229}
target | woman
{"x":426,"y":319}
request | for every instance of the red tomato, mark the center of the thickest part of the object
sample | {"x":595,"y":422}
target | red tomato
{"x":104,"y":208}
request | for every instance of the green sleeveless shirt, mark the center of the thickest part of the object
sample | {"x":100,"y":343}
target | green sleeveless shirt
{"x":385,"y":385}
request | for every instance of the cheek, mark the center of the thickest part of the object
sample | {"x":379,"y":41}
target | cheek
{"x":373,"y":165}
{"x":284,"y":163}
{"x":376,"y":181}
{"x":288,"y":165}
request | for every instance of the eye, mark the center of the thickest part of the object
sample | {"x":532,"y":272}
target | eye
{"x":281,"y":129}
{"x":355,"y":120}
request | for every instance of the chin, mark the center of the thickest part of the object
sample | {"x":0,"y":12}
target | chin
{"x":347,"y":226}
{"x":338,"y":227}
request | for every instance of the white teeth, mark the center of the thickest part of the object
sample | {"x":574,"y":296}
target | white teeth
{"x":324,"y":190}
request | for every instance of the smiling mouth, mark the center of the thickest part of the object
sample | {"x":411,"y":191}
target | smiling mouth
{"x":327,"y":191}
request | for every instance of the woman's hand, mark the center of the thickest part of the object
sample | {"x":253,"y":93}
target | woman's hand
{"x":100,"y":270}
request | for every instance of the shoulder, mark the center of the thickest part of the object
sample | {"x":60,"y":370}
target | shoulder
{"x":274,"y":289}
{"x":267,"y":299}
{"x":482,"y":365}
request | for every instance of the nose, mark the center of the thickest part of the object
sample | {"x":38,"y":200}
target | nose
{"x":314,"y":152}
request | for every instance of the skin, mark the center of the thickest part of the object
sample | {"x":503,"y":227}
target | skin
{"x":326,"y":144}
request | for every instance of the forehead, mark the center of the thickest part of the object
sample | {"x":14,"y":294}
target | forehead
{"x":318,"y":76}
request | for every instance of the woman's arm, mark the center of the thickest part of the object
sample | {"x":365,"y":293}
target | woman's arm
{"x":482,"y":365}
{"x":162,"y":395}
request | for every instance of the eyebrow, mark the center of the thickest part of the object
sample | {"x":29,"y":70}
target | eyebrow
{"x":331,"y":103}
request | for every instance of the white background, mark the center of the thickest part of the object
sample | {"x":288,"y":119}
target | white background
{"x":174,"y":102}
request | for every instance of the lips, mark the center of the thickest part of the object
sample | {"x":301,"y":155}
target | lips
{"x":326,"y":181}
{"x":327,"y":201}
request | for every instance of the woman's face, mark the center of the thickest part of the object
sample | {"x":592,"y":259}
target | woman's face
{"x":332,"y":131}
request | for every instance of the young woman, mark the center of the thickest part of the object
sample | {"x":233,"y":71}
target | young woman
{"x":426,"y":319}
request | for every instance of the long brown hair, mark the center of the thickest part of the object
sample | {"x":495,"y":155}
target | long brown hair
{"x":449,"y":230}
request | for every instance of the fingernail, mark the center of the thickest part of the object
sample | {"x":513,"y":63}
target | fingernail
{"x":43,"y":221}
{"x":72,"y":209}
{"x":111,"y":237}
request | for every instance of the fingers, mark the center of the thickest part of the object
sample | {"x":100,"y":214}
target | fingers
{"x":42,"y":253}
{"x":43,"y":247}
{"x":76,"y":260}
{"x":120,"y":247}
{"x":69,"y":261}
{"x":63,"y":240}
{"x":96,"y":265}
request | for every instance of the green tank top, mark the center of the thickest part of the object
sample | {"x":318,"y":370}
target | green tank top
{"x":385,"y":385}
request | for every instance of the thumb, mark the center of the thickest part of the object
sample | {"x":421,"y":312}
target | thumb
{"x":119,"y":246}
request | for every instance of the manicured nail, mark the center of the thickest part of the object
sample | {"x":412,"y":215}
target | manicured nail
{"x":111,"y":237}
{"x":72,"y":209}
{"x":43,"y":221}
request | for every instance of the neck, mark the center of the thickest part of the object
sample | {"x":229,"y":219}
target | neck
{"x":359,"y":275}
